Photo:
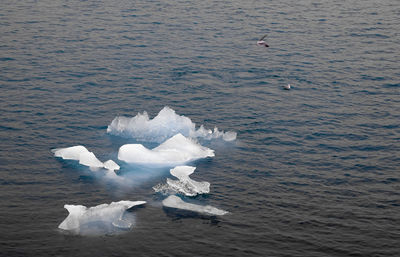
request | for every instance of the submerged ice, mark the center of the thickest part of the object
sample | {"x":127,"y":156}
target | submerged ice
{"x":175,"y":151}
{"x":165,"y":125}
{"x":184,"y":184}
{"x":81,"y":154}
{"x":101,"y":219}
{"x":175,"y":202}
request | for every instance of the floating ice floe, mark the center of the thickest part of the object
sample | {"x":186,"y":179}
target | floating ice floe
{"x":98,"y":220}
{"x":165,"y":125}
{"x":184,"y":185}
{"x":175,"y":202}
{"x":175,"y":151}
{"x":81,"y":154}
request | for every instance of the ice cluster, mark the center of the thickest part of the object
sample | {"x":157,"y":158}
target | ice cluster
{"x":175,"y":202}
{"x":101,"y":219}
{"x":81,"y":154}
{"x":184,"y":185}
{"x":175,"y":151}
{"x":165,"y":125}
{"x":179,"y":144}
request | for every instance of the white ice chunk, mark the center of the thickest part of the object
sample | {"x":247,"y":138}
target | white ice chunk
{"x":229,"y":136}
{"x":78,"y":153}
{"x":70,"y":153}
{"x":174,"y":201}
{"x":111,"y":165}
{"x":81,"y":154}
{"x":176,"y":150}
{"x":103,"y":219}
{"x":90,"y":160}
{"x":182,"y":172}
{"x":184,"y":185}
{"x":166,"y":124}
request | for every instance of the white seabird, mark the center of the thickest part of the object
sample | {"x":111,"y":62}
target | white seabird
{"x":261,"y":42}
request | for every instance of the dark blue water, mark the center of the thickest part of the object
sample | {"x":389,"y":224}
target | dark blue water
{"x":314,"y":170}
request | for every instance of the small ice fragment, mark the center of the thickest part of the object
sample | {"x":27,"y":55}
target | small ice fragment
{"x":100,"y":219}
{"x":111,"y":165}
{"x":182,"y":172}
{"x":78,"y":153}
{"x":209,"y":134}
{"x":174,"y":201}
{"x":176,"y":150}
{"x":81,"y":154}
{"x":229,"y":136}
{"x":123,"y":224}
{"x":184,"y":185}
{"x":166,"y":124}
{"x":70,"y":153}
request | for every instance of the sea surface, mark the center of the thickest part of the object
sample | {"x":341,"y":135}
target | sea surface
{"x":314,"y":170}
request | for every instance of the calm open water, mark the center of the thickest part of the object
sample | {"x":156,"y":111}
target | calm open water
{"x":314,"y":170}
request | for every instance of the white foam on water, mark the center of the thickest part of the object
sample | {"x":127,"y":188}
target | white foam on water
{"x":175,"y":151}
{"x":165,"y":125}
{"x":98,"y":220}
{"x":184,"y":184}
{"x":175,"y":202}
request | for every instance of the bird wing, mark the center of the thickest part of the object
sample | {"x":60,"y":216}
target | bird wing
{"x":263,"y":37}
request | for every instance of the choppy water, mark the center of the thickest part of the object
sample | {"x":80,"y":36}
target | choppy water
{"x":315,"y":171}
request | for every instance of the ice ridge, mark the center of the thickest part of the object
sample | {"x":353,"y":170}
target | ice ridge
{"x":163,"y":126}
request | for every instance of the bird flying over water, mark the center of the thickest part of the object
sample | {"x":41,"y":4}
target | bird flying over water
{"x":261,"y":42}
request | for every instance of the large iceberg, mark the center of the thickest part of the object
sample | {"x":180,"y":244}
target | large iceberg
{"x":184,"y":184}
{"x":165,"y":125}
{"x":81,"y":154}
{"x":175,"y":202}
{"x":175,"y":151}
{"x":98,"y":220}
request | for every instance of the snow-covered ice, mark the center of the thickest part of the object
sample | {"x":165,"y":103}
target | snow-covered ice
{"x":175,"y":151}
{"x":101,"y":219}
{"x":165,"y":125}
{"x":81,"y":154}
{"x":184,"y":184}
{"x":176,"y":202}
